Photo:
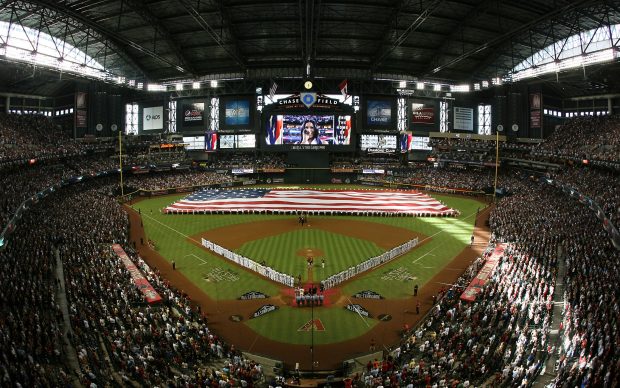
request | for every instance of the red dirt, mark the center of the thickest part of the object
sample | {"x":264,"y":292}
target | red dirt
{"x":330,"y":357}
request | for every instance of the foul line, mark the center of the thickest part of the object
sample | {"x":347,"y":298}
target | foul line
{"x":358,"y":313}
{"x":203,"y":261}
{"x":433,"y":235}
{"x":173,"y":229}
{"x":182,"y":234}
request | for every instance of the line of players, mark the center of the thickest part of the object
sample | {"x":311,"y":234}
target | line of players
{"x":313,"y":296}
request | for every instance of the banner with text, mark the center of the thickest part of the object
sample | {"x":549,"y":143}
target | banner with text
{"x":422,"y":113}
{"x":150,"y":295}
{"x":153,"y":118}
{"x":477,"y":283}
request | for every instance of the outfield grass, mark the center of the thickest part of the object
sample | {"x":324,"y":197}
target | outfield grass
{"x":447,"y":237}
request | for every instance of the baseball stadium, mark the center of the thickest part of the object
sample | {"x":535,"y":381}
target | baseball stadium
{"x":309,"y":194}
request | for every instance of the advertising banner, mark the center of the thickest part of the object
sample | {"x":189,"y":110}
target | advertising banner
{"x":422,"y":113}
{"x":477,"y":283}
{"x":193,"y":114}
{"x":153,"y":118}
{"x":81,"y":110}
{"x":535,"y":110}
{"x":379,"y":113}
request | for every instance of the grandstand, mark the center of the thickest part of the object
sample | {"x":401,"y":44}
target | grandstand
{"x":501,"y":121}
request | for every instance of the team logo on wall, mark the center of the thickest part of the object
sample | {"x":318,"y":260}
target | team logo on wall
{"x":307,"y":98}
{"x":253,"y":295}
{"x":313,"y":324}
{"x":264,"y":310}
{"x":367,"y":294}
{"x":356,"y":308}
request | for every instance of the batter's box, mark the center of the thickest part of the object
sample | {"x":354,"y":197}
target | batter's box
{"x":218,"y":274}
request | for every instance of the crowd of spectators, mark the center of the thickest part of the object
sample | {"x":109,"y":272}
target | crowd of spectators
{"x":118,"y":338}
{"x":603,"y":186}
{"x":588,"y":137}
{"x":25,"y":137}
{"x":501,"y":338}
{"x":249,"y":160}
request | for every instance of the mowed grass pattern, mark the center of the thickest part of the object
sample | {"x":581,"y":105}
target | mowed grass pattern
{"x":340,"y":325}
{"x":447,"y":237}
{"x":282,"y":252}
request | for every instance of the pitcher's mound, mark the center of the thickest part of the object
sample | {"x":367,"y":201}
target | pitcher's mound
{"x":310,"y":252}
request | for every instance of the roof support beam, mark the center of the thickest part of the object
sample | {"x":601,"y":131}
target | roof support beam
{"x":427,"y":11}
{"x":451,"y":39}
{"x":142,"y":9}
{"x":234,"y":52}
{"x":501,"y":40}
{"x":115,"y":37}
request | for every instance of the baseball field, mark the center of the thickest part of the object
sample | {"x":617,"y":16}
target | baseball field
{"x":264,"y":317}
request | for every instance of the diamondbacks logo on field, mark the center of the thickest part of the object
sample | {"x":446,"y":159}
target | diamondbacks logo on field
{"x":356,"y":308}
{"x":264,"y":310}
{"x":313,"y":324}
{"x":253,"y":295}
{"x":367,"y":294}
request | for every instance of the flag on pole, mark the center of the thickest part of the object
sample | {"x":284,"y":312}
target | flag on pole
{"x":343,"y":88}
{"x":272,"y":90}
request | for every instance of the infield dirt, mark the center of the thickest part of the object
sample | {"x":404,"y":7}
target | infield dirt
{"x":386,"y":334}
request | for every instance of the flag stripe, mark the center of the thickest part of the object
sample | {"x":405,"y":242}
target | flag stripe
{"x":405,"y":202}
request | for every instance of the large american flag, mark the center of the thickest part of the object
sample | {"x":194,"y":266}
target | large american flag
{"x":314,"y":201}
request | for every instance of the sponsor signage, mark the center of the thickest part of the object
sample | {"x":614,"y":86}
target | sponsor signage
{"x":356,"y":308}
{"x":239,"y":171}
{"x":80,"y":118}
{"x":253,"y":295}
{"x":237,"y":112}
{"x":372,"y":171}
{"x":193,"y":114}
{"x":153,"y":118}
{"x":379,"y":113}
{"x":265,"y":309}
{"x":296,"y":101}
{"x":422,"y":113}
{"x":367,"y":294}
{"x":81,"y":110}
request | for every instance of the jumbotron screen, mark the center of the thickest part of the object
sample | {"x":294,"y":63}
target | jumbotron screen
{"x":378,"y":143}
{"x":308,"y":129}
{"x":237,"y":141}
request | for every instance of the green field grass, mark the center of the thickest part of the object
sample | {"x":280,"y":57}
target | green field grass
{"x":446,"y":238}
{"x":281,"y":252}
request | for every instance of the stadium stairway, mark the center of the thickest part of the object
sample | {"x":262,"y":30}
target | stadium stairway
{"x":61,"y":298}
{"x":548,"y":373}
